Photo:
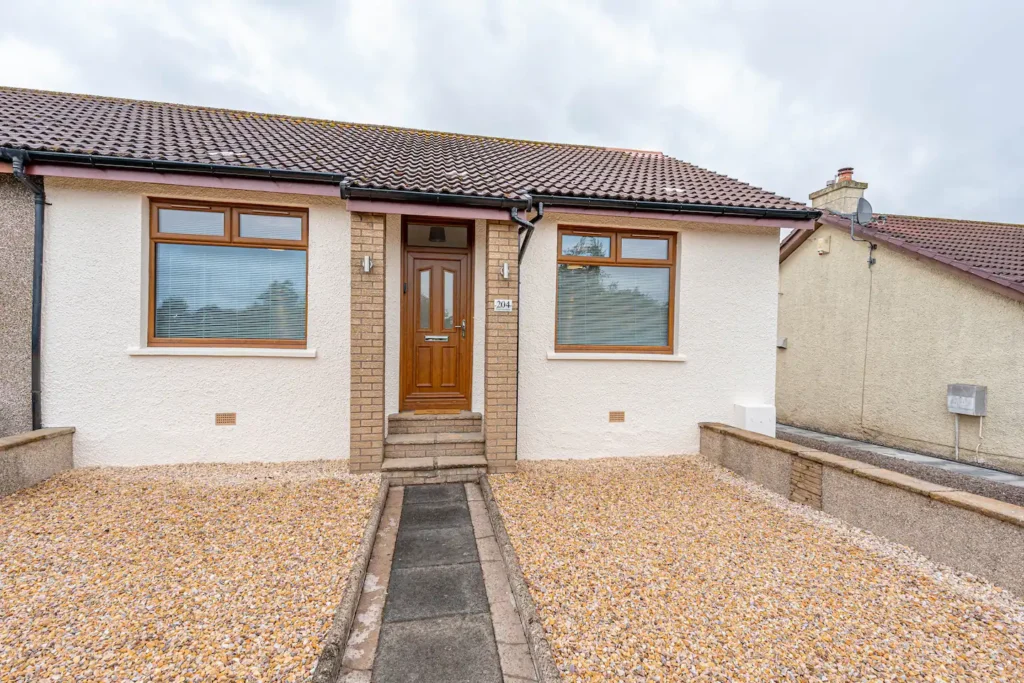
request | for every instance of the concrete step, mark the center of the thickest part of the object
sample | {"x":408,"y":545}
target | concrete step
{"x":435,"y":437}
{"x":427,"y":445}
{"x":441,"y":462}
{"x":416,"y":423}
{"x":434,"y":470}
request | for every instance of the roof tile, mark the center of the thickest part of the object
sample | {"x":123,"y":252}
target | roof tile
{"x":373,"y":156}
{"x":991,"y":250}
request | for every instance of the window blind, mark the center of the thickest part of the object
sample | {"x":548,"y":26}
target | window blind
{"x":613,"y":305}
{"x":223,"y":292}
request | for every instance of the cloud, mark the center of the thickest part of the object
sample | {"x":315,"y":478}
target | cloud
{"x":919,"y":97}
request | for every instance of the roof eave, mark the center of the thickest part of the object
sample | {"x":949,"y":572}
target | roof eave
{"x":437,"y":198}
{"x":102,"y":161}
{"x":675,"y":207}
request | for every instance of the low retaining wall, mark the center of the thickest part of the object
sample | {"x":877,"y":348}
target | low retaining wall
{"x":966,"y":531}
{"x":31,"y":457}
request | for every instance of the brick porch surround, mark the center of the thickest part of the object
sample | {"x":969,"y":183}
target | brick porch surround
{"x":501,"y":348}
{"x":367,"y":377}
{"x":368,"y":417}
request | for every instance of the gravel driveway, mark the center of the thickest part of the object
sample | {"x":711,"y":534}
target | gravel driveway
{"x":199,"y":572}
{"x":667,"y":569}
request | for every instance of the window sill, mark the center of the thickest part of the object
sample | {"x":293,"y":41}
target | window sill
{"x":659,"y":357}
{"x":226,"y":351}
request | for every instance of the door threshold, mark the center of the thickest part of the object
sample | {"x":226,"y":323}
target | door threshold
{"x":437,"y":411}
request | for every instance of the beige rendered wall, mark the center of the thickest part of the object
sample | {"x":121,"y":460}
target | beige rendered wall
{"x":17,"y":229}
{"x":872,"y":350}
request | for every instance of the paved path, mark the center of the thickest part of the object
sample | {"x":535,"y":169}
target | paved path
{"x":949,"y":465}
{"x":447,"y":597}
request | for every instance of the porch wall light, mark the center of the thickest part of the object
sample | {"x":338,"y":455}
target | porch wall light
{"x":367,"y":264}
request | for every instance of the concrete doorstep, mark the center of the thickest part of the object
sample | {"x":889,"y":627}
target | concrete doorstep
{"x":436,"y":603}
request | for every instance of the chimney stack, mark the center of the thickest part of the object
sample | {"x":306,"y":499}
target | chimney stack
{"x":839,"y":195}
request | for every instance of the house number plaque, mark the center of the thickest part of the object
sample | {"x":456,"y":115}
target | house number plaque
{"x":503,"y":305}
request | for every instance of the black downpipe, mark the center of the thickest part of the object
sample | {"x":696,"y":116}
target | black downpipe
{"x":526,"y":226}
{"x":36,"y":188}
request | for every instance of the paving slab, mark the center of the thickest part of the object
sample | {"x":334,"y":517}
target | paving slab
{"x":447,"y":614}
{"x":516,"y":661}
{"x":429,"y":592}
{"x":434,"y":516}
{"x":435,"y":493}
{"x":452,"y":650}
{"x":431,"y":547}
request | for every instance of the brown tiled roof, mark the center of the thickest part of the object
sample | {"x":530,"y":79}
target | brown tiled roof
{"x":991,"y":251}
{"x":383,"y":157}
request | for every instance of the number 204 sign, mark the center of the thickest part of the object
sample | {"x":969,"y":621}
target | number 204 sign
{"x":503,"y":305}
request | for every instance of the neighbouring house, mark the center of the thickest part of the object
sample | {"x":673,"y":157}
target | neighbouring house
{"x":875,"y":324}
{"x":231,"y":286}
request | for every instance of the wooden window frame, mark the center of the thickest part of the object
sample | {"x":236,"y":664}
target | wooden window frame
{"x":614,"y":259}
{"x":229,"y":238}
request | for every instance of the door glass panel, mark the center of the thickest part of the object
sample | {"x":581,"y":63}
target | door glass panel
{"x":424,"y":299}
{"x":449,"y":299}
{"x":426,"y":235}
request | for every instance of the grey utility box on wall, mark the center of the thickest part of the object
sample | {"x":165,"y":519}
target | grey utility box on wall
{"x":967,"y":399}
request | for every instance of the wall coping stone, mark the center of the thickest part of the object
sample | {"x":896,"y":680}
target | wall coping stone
{"x":996,"y":509}
{"x":16,"y":440}
{"x":836,"y":461}
{"x":903,"y":481}
{"x":757,"y":439}
{"x":1014,"y":514}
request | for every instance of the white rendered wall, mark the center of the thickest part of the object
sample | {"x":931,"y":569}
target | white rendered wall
{"x":141,"y":410}
{"x":725,"y":327}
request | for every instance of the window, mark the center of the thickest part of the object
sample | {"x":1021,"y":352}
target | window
{"x":615,"y":291}
{"x":223,"y":275}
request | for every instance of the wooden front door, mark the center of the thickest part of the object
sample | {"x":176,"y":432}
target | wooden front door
{"x":437,"y":341}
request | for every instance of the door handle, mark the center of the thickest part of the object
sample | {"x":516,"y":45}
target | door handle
{"x":463,"y":326}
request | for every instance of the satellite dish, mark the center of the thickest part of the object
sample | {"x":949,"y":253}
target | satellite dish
{"x":864,"y":212}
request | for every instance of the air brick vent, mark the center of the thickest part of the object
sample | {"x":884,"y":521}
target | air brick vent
{"x":225,"y":418}
{"x":617,"y":416}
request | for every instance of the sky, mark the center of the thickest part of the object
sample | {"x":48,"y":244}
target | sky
{"x":924,"y":99}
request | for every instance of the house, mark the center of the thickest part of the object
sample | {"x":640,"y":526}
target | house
{"x":877,"y":321}
{"x":231,"y":286}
